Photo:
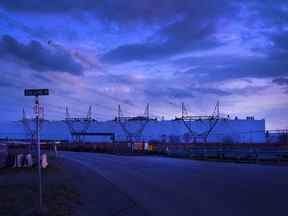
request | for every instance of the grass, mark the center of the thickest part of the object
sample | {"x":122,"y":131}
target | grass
{"x":19,"y":192}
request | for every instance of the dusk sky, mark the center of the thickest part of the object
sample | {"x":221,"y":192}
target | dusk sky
{"x":105,"y":53}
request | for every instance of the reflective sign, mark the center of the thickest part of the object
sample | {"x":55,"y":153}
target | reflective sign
{"x":36,"y":92}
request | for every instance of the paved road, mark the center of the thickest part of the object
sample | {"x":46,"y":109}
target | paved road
{"x":167,"y":186}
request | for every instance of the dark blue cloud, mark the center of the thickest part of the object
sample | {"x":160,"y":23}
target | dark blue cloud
{"x":122,"y":10}
{"x":180,"y":37}
{"x":193,"y":30}
{"x":152,"y":51}
{"x":279,"y":50}
{"x":38,"y":57}
{"x":243,"y":67}
{"x":272,"y":12}
{"x":281,"y":81}
{"x":5,"y":83}
{"x":171,"y":91}
{"x":168,"y":92}
{"x":212,"y":91}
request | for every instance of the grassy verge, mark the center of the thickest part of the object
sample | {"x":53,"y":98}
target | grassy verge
{"x":19,"y":191}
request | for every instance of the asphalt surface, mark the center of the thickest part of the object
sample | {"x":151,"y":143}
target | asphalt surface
{"x":167,"y":186}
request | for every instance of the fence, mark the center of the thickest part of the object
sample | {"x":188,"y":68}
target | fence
{"x":223,"y":151}
{"x":3,"y":155}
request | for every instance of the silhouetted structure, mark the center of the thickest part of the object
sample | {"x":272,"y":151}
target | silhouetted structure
{"x":78,"y":127}
{"x":206,"y":122}
{"x":141,"y":121}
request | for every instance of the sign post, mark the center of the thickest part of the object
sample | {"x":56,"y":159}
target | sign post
{"x":36,"y":93}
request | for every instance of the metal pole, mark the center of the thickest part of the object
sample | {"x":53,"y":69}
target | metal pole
{"x":218,"y":109}
{"x":119,"y":112}
{"x":38,"y":150}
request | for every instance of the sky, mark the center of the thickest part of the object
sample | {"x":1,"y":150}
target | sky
{"x":104,"y":53}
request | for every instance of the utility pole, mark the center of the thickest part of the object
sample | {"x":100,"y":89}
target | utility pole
{"x":119,"y":112}
{"x":36,"y":93}
{"x":182,"y":110}
{"x":37,"y":115}
{"x":218,"y":109}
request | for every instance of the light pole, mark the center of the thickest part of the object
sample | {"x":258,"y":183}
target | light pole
{"x":36,"y":93}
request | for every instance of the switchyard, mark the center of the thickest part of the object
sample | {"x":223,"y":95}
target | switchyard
{"x":226,"y":130}
{"x":187,"y":128}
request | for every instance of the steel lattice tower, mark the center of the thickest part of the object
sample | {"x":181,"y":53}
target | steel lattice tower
{"x":189,"y":119}
{"x":142,"y":121}
{"x":29,"y":125}
{"x":84,"y":122}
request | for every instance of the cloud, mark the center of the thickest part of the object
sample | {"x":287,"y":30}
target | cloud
{"x":222,"y":67}
{"x":121,"y":11}
{"x":281,"y":81}
{"x":212,"y":91}
{"x":187,"y":25}
{"x":179,"y":37}
{"x":172,"y":93}
{"x":38,"y":57}
{"x":167,"y":90}
{"x":272,"y":12}
{"x":268,"y":62}
{"x":279,"y":49}
{"x":193,"y":30}
{"x":5,"y":83}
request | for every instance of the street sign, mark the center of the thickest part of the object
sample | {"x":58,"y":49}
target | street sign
{"x":36,"y":92}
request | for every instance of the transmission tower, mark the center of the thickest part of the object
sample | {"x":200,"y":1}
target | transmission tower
{"x":29,"y":125}
{"x":139,"y":123}
{"x":208,"y":122}
{"x":78,"y":126}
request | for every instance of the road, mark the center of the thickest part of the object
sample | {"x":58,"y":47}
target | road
{"x":168,"y":186}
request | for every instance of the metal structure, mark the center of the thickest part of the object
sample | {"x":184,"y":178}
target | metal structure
{"x":208,"y":121}
{"x":142,"y":121}
{"x":29,"y":124}
{"x":78,"y":133}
